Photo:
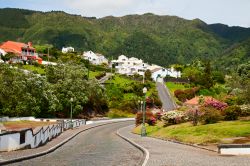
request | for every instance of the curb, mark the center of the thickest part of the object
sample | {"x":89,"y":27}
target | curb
{"x":145,"y":151}
{"x":14,"y":160}
{"x":183,"y":143}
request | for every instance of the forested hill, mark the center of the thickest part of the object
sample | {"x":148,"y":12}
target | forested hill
{"x":157,"y":39}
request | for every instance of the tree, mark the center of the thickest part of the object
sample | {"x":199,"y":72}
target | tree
{"x":206,"y":79}
{"x":148,"y":75}
{"x":8,"y":57}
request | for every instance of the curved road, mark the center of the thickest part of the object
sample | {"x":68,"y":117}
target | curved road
{"x":94,"y":147}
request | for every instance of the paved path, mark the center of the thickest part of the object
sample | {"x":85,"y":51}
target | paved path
{"x":164,"y":153}
{"x":168,"y":103}
{"x":98,"y":146}
{"x":105,"y":78}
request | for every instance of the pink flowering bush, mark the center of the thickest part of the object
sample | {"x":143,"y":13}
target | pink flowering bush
{"x":215,"y":104}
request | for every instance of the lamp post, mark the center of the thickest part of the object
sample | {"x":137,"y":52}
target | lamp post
{"x":143,"y":128}
{"x":71,"y":122}
{"x":140,"y":103}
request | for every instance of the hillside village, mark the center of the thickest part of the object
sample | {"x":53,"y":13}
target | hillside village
{"x":24,"y":53}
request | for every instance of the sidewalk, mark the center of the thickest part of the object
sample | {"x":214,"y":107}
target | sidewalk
{"x":50,"y":146}
{"x":162,"y":153}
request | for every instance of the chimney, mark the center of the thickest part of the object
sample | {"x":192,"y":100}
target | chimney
{"x":30,"y":44}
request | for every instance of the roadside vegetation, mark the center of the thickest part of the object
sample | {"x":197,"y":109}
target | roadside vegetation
{"x":49,"y":94}
{"x":222,"y":132}
{"x":125,"y":94}
{"x":213,"y":107}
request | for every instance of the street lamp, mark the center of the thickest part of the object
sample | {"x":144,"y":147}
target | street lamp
{"x":88,"y":69}
{"x":140,"y":103}
{"x":143,"y":128}
{"x":71,"y":122}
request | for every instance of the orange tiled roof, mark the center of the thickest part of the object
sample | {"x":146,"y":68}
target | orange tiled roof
{"x":15,"y":47}
{"x":195,"y":100}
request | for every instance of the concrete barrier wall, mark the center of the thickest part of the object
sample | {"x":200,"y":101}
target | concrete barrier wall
{"x":28,"y":139}
{"x":234,"y":149}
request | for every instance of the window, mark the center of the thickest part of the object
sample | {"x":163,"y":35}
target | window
{"x":22,"y":137}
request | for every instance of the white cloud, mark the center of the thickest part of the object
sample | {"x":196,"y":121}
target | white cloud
{"x":100,"y":8}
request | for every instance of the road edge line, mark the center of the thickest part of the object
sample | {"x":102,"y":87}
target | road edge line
{"x":14,"y":160}
{"x":144,"y":150}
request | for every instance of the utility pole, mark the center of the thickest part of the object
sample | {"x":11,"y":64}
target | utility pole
{"x":48,"y":54}
{"x":111,"y":66}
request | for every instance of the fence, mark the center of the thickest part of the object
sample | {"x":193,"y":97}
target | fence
{"x":28,"y":139}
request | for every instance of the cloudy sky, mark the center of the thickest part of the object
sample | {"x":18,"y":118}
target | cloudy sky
{"x":231,"y":12}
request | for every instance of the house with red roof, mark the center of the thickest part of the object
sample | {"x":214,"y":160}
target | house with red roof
{"x":24,"y":52}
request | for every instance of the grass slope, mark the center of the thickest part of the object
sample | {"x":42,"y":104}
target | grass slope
{"x":201,"y":134}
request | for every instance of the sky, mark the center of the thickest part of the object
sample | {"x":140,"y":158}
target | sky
{"x":230,"y":12}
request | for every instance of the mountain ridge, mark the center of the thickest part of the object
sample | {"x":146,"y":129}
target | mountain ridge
{"x":162,"y":40}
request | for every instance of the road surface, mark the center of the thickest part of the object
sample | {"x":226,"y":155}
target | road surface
{"x":168,"y":103}
{"x":105,"y":78}
{"x":96,"y":147}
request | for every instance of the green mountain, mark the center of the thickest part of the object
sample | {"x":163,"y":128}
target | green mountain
{"x":233,"y":34}
{"x":163,"y":40}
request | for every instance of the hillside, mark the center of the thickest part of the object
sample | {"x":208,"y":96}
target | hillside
{"x":163,"y":40}
{"x":235,"y":55}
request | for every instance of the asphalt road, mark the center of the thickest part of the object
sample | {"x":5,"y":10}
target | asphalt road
{"x":96,"y":147}
{"x":167,"y":101}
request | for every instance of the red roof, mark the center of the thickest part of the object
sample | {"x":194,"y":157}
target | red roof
{"x":15,"y":47}
{"x":195,"y":100}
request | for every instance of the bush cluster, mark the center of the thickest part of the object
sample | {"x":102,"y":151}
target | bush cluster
{"x":232,"y":113}
{"x":210,"y":115}
{"x":183,"y":95}
{"x":149,"y":118}
{"x":173,"y":117}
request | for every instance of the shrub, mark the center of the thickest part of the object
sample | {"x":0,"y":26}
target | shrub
{"x":245,"y":110}
{"x":231,"y":100}
{"x":183,"y":95}
{"x":215,"y":104}
{"x":194,"y":115}
{"x":149,"y":118}
{"x":210,"y":115}
{"x":158,"y":115}
{"x":173,"y":117}
{"x":102,"y":74}
{"x":232,"y":113}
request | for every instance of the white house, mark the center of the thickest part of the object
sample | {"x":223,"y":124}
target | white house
{"x":67,"y":49}
{"x":95,"y":58}
{"x":161,"y":72}
{"x":129,"y":66}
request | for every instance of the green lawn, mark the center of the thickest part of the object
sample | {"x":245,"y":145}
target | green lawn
{"x":115,"y":113}
{"x":201,"y":134}
{"x":39,"y":70}
{"x":122,"y":81}
{"x":172,"y":86}
{"x":92,"y":74}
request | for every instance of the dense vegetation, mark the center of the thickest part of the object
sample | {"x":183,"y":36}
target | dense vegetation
{"x":163,"y":40}
{"x":49,"y":94}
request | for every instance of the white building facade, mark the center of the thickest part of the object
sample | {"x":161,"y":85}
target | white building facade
{"x":67,"y":49}
{"x":129,"y":66}
{"x":161,"y":72}
{"x":95,"y":58}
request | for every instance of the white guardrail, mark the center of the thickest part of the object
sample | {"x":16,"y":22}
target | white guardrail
{"x":28,"y":138}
